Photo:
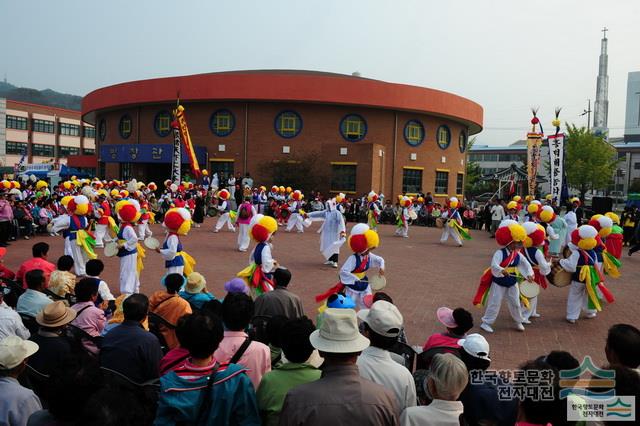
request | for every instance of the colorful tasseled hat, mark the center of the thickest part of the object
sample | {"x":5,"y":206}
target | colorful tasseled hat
{"x":614,"y":217}
{"x":576,"y":200}
{"x":362,"y":238}
{"x":517,"y":199}
{"x":152,"y":186}
{"x":603,"y":224}
{"x":65,"y":200}
{"x":512,"y":205}
{"x":546,"y":214}
{"x":297,"y":195}
{"x":124,"y":193}
{"x":178,"y":220}
{"x":288,"y":190}
{"x":510,"y":231}
{"x":372,"y":197}
{"x":281,"y":189}
{"x":405,"y":202}
{"x":534,"y":206}
{"x":79,"y":205}
{"x":453,"y":202}
{"x":535,"y":234}
{"x":527,"y":199}
{"x":41,"y":184}
{"x":340,"y":197}
{"x":262,"y":227}
{"x":274,"y":189}
{"x":585,"y":237}
{"x":223,"y":194}
{"x":128,"y":210}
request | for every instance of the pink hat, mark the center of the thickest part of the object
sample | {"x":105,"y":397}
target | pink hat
{"x":445,"y":316}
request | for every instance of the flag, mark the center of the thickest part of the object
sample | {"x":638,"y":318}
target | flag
{"x":186,"y":140}
{"x":512,"y":185}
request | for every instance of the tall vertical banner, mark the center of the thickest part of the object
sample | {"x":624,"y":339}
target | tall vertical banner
{"x":186,"y":141}
{"x":556,"y":161}
{"x":176,"y":158}
{"x":534,"y":142}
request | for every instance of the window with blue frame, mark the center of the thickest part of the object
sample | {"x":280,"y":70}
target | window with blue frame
{"x":353,"y":127}
{"x":102,"y":129}
{"x":162,"y":123}
{"x":222,"y":122}
{"x":288,"y":124}
{"x":462,"y":141}
{"x":443,"y":137}
{"x":124,"y":128}
{"x":414,"y":132}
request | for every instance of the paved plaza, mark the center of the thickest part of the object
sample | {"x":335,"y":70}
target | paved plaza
{"x":421,"y":276}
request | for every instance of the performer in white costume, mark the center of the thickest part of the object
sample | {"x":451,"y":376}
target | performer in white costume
{"x":224,"y":207}
{"x":128,"y":248}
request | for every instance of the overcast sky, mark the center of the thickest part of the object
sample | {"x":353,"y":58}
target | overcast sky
{"x":507,"y":55}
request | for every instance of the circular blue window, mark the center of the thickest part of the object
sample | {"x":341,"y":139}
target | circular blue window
{"x":102,"y":129}
{"x":353,"y":127}
{"x":162,"y":123}
{"x":222,"y":122}
{"x":124,"y":128}
{"x":443,"y":137}
{"x":462,"y":141}
{"x":288,"y":124}
{"x":414,"y":132}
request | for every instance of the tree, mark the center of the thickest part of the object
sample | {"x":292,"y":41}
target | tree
{"x":298,"y":172}
{"x":590,"y":161}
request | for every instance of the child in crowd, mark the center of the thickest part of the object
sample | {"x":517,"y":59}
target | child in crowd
{"x":105,"y":297}
{"x":62,"y":280}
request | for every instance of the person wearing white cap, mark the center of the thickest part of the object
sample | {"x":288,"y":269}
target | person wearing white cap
{"x":382,"y":325}
{"x":17,"y":402}
{"x":341,"y":396}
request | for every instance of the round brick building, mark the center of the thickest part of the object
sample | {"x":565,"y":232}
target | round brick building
{"x":365,"y":134}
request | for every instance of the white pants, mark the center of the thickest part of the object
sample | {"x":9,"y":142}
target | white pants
{"x":225,"y":218}
{"x":446,"y":231}
{"x":143,"y":230}
{"x":101,"y":235}
{"x":496,"y":294}
{"x":129,"y":280}
{"x":67,"y":247}
{"x":358,"y":296}
{"x":175,"y":270}
{"x":533,"y":305}
{"x":295,"y":220}
{"x":243,"y":236}
{"x":577,"y":300}
{"x":79,"y":256}
{"x":404,"y":231}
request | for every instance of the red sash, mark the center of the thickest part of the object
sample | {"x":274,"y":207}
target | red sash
{"x":339,"y":287}
{"x":614,"y":245}
{"x":487,"y":278}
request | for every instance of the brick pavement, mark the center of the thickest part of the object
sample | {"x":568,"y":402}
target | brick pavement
{"x":421,"y":276}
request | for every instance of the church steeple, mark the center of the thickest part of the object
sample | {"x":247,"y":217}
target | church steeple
{"x":601,"y":110}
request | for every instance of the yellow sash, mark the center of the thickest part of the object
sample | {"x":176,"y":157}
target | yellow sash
{"x":84,"y":240}
{"x":585,"y":277}
{"x":189,"y":262}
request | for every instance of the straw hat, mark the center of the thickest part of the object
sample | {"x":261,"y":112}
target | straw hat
{"x":195,"y":283}
{"x":14,"y":350}
{"x":339,"y":333}
{"x":55,"y":314}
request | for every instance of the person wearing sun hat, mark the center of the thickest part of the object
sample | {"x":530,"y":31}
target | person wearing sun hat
{"x":195,"y":291}
{"x":341,"y":391}
{"x":457,"y":322}
{"x":354,"y":282}
{"x":587,"y":286}
{"x":500,"y":280}
{"x":54,"y":345}
{"x":17,"y":403}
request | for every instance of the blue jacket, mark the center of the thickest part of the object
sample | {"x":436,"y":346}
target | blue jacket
{"x":234,"y":399}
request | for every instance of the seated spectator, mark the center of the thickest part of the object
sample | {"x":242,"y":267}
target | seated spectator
{"x":537,"y":411}
{"x":280,"y":301}
{"x":627,"y":382}
{"x":458,"y":322}
{"x":17,"y":402}
{"x":54,"y":346}
{"x":381,"y":295}
{"x":4,"y":271}
{"x":213,"y":307}
{"x":382,"y":324}
{"x":68,"y":390}
{"x":341,"y":396}
{"x":623,"y":346}
{"x":178,"y":355}
{"x":447,"y":378}
{"x":38,"y":261}
{"x":22,"y":214}
{"x":116,"y":407}
{"x":276,"y":383}
{"x":188,"y":395}
{"x":274,"y":332}
{"x":129,"y":349}
{"x":117,"y":317}
{"x":170,"y":306}
{"x":88,"y":317}
{"x":94,"y":268}
{"x":237,"y":311}
{"x":561,"y":360}
{"x":33,"y":299}
{"x":62,"y":280}
{"x":236,"y":285}
{"x":195,"y":292}
{"x":480,"y":400}
{"x":10,"y":322}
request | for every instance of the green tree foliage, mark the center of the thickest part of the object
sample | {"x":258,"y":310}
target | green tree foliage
{"x":298,"y":172}
{"x":590,"y":161}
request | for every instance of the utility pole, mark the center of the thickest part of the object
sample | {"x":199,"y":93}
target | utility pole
{"x":587,"y":112}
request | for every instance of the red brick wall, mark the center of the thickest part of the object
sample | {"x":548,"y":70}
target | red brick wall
{"x":320,"y":134}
